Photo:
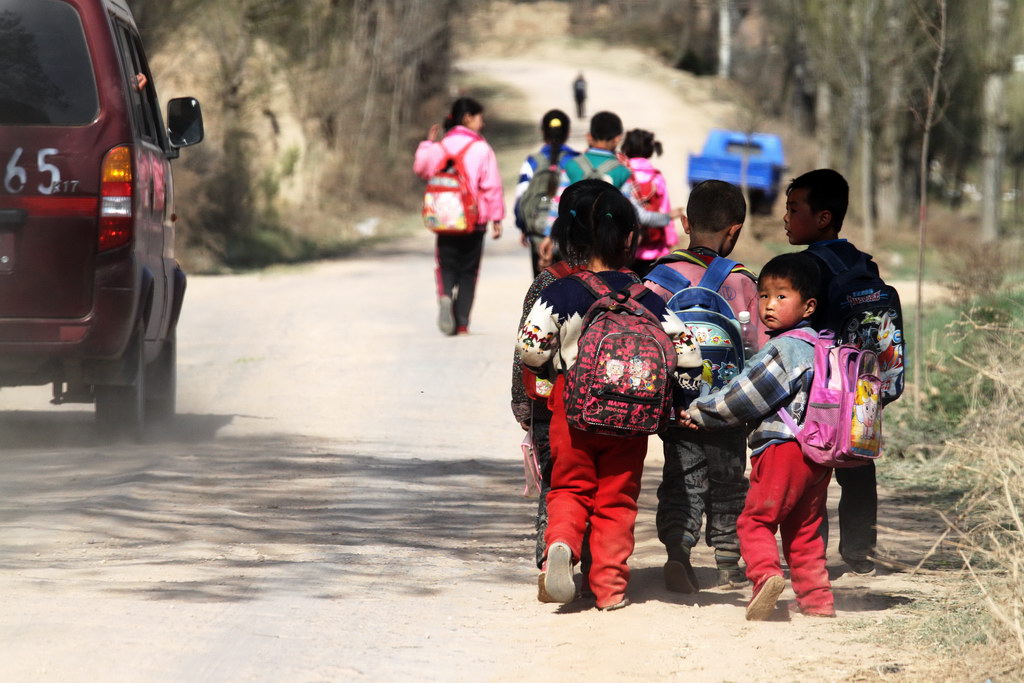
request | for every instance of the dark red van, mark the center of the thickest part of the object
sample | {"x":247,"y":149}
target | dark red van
{"x":89,"y":288}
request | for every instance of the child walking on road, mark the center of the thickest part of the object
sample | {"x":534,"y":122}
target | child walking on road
{"x":704,"y":470}
{"x":601,"y":162}
{"x":458,"y":256}
{"x":538,"y":182}
{"x":652,"y":194}
{"x":595,"y":478}
{"x":816,"y":204}
{"x":787,"y":490}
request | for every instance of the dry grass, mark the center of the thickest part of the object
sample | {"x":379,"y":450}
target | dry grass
{"x":990,"y":518}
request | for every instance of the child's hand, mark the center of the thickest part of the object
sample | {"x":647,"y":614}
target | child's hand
{"x":677,"y":212}
{"x":434,"y":134}
{"x":685,"y":420}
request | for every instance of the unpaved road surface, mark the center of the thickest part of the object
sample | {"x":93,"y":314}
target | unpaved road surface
{"x":339,"y":500}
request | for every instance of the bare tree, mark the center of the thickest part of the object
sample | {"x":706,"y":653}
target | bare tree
{"x":937,"y":32}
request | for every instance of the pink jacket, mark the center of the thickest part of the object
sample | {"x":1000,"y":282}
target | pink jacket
{"x":738,"y":289}
{"x":643,"y":173}
{"x":480,"y":163}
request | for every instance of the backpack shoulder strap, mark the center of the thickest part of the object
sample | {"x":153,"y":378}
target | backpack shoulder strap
{"x":584,"y":163}
{"x":830,"y":259}
{"x":593,"y":284}
{"x":804,"y":334}
{"x":608,"y":166}
{"x":719,"y":269}
{"x":540,"y":161}
{"x":668,"y":277}
{"x":462,"y":152}
{"x":560,"y":269}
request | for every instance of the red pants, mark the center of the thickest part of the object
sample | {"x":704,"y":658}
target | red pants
{"x":787,"y":491}
{"x":594,"y":479}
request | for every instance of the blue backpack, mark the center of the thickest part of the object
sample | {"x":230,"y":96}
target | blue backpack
{"x":710,"y":318}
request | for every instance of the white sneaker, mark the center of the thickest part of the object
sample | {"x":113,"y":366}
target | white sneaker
{"x":558,"y":579}
{"x":446,"y":315}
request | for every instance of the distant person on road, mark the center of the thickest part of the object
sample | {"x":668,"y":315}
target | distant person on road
{"x":651,"y":191}
{"x":816,"y":204}
{"x":538,"y":182}
{"x":595,"y":479}
{"x":579,"y":93}
{"x":458,"y":256}
{"x":601,"y":162}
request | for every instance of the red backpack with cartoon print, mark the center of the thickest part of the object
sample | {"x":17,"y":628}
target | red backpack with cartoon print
{"x":621,"y":383}
{"x":448,"y":203}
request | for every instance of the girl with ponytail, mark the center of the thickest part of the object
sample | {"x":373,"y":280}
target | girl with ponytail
{"x":458,"y":256}
{"x":533,"y":198}
{"x":595,"y":478}
{"x":651,"y":192}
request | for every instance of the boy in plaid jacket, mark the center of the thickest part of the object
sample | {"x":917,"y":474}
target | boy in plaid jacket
{"x":787,"y":491}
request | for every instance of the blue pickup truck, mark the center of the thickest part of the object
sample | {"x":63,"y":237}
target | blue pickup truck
{"x":722,"y":159}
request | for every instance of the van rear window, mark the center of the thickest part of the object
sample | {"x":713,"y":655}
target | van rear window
{"x":46,"y":74}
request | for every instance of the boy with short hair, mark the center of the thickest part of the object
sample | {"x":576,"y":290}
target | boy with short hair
{"x":704,"y":471}
{"x":816,"y":204}
{"x":600,"y":161}
{"x":787,"y":490}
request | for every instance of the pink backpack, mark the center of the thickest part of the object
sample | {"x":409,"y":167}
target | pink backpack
{"x":843,"y":425}
{"x":621,"y":383}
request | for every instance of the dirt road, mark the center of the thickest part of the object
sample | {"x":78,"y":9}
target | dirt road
{"x":340,"y":500}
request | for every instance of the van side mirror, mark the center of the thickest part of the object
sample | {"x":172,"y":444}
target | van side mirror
{"x":184,"y":122}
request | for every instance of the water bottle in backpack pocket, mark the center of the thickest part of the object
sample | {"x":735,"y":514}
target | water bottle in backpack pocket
{"x":711,"y":320}
{"x":621,"y":383}
{"x":843,"y":421}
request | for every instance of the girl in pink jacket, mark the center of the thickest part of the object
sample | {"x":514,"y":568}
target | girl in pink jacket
{"x":458,"y":256}
{"x":652,"y":192}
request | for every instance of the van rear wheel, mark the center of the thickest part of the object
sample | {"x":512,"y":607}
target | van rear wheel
{"x":120,"y":409}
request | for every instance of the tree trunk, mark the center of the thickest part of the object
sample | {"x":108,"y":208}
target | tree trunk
{"x":890,"y":157}
{"x":823,"y":124}
{"x":993,"y":142}
{"x":724,"y":37}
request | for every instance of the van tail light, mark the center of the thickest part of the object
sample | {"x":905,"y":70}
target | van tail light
{"x":116,"y":199}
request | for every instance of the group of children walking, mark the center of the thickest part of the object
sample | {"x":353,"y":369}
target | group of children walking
{"x":592,"y":480}
{"x":606,"y":213}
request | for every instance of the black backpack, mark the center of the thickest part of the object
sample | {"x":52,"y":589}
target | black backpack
{"x":861,"y":309}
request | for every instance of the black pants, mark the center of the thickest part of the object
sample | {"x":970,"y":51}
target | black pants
{"x":858,"y":512}
{"x":458,"y":265}
{"x":703,"y":476}
{"x":581,"y":109}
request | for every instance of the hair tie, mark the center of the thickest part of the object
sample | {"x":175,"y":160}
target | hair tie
{"x":608,"y":214}
{"x":572,"y":212}
{"x":555,"y":123}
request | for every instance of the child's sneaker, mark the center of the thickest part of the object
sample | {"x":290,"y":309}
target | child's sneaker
{"x":766,"y":593}
{"x":680,"y":577}
{"x":542,"y":592}
{"x":863,"y":567}
{"x":795,"y":608}
{"x":619,"y":605}
{"x":732,"y":577}
{"x":558,"y":579}
{"x":446,"y":315}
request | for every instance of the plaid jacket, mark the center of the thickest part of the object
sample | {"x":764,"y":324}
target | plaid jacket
{"x":778,"y":375}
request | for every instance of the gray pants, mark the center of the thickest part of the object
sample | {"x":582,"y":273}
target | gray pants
{"x":703,"y":475}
